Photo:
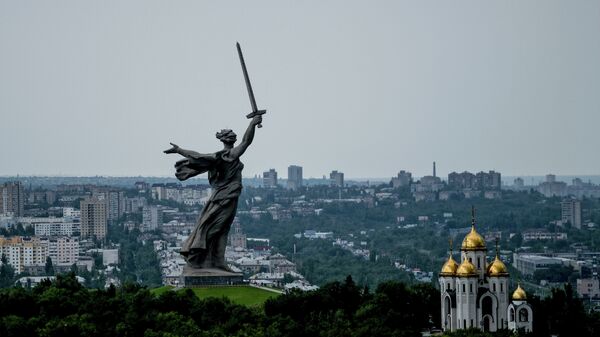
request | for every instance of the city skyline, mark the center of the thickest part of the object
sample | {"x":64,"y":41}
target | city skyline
{"x":506,"y":179}
{"x":366,"y":89}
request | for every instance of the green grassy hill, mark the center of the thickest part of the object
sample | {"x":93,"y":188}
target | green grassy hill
{"x":244,"y":295}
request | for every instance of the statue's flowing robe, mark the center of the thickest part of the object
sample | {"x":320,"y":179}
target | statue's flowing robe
{"x":225,"y":178}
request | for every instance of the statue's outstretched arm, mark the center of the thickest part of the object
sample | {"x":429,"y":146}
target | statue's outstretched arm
{"x":237,"y":151}
{"x":186,"y":153}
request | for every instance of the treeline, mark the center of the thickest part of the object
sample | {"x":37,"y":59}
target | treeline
{"x":66,"y":308}
{"x":344,"y":309}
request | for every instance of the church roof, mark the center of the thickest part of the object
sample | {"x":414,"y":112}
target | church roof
{"x":473,"y":240}
{"x":497,"y":268}
{"x":466,"y":269}
{"x":449,"y":268}
{"x":519,"y":294}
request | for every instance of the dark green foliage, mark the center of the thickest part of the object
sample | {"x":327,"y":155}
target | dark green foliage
{"x":344,"y":309}
{"x":66,"y":308}
{"x":563,"y":314}
{"x":7,"y":273}
{"x":17,"y":230}
{"x":321,"y":263}
{"x":49,"y":268}
{"x":554,"y":274}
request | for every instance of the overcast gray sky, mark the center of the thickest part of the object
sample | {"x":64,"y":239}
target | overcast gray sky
{"x":365,"y":87}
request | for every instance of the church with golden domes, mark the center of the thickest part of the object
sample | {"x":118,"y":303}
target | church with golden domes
{"x":475,"y":293}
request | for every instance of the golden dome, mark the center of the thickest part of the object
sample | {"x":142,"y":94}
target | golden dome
{"x":497,"y":268}
{"x":519,"y":294}
{"x":466,"y":269}
{"x":473,"y":241}
{"x":449,"y":268}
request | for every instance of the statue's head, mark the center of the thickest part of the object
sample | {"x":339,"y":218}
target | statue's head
{"x":227,"y":136}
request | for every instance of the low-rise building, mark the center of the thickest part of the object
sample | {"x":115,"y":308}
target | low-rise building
{"x":23,"y":251}
{"x":528,"y":264}
{"x":541,"y":234}
{"x":110,"y":256}
{"x":588,"y":288}
{"x":51,"y":229}
{"x":312,"y":234}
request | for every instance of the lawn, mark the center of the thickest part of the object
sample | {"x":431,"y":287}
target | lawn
{"x":244,"y":295}
{"x":159,"y":291}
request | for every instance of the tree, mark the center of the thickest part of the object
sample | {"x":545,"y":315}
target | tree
{"x":74,"y":269}
{"x":49,"y":269}
{"x":7,"y":273}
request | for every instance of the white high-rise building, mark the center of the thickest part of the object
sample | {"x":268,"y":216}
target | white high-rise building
{"x":475,"y":293}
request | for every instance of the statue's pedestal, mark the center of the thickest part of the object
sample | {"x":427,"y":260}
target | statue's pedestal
{"x":193,"y":277}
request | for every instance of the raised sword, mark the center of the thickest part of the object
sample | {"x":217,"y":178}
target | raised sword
{"x":255,"y":111}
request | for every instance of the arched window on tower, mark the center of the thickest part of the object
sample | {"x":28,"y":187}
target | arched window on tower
{"x":494,"y":286}
{"x":447,"y":310}
{"x":487,"y":306}
{"x":512,"y":315}
{"x":523,"y":315}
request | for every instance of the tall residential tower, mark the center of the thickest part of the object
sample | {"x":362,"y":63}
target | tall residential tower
{"x":294,"y":177}
{"x":93,"y":218}
{"x":12,"y":198}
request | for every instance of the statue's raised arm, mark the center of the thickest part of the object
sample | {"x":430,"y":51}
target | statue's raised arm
{"x":237,"y":151}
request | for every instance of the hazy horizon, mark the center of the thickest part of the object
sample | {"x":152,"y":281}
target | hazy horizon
{"x":365,"y":88}
{"x":506,"y":180}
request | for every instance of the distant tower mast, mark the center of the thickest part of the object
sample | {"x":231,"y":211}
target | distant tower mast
{"x":434,"y":170}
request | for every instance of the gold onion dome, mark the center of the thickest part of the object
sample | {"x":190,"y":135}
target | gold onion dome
{"x":449,"y":268}
{"x":466,"y":268}
{"x":473,"y":240}
{"x":519,"y":294}
{"x":497,"y":268}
